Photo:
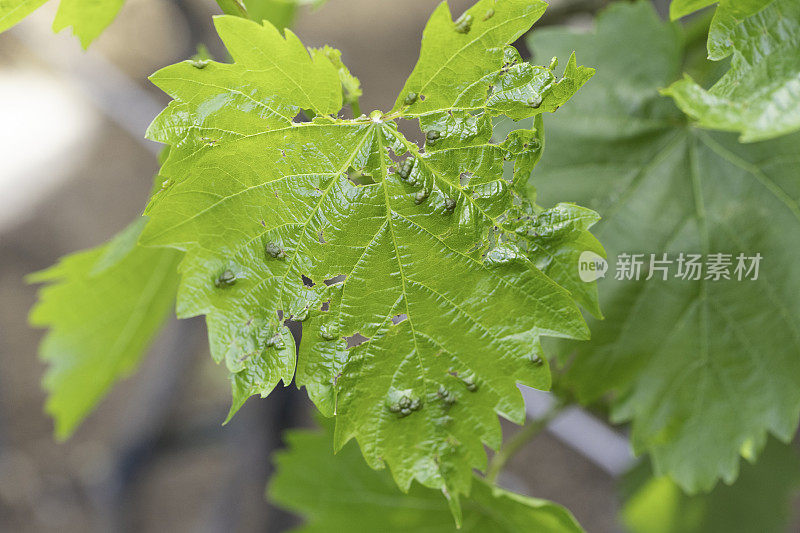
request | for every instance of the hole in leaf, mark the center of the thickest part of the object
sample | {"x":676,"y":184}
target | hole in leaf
{"x":397,"y":158}
{"x":307,"y":281}
{"x":335,"y":280}
{"x":355,"y":339}
{"x":396,"y":319}
{"x":325,"y":306}
{"x":322,"y":237}
{"x":410,"y":129}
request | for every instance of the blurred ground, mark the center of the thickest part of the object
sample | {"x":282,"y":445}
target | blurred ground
{"x":154,"y":457}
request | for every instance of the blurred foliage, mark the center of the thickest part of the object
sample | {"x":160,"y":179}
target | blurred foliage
{"x":760,"y":499}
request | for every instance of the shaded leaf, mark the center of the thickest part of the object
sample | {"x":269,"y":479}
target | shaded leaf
{"x":340,"y":493}
{"x":703,"y":369}
{"x":681,"y":8}
{"x":760,"y":500}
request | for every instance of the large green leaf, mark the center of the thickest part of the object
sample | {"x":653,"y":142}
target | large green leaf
{"x":760,"y":500}
{"x":339,"y":493}
{"x":411,"y":268}
{"x":760,"y":95}
{"x":103,"y":307}
{"x":703,"y":369}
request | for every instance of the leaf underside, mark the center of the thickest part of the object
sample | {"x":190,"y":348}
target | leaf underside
{"x":411,"y":269}
{"x":703,"y":369}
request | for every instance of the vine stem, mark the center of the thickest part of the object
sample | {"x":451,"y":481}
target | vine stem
{"x":520,"y":439}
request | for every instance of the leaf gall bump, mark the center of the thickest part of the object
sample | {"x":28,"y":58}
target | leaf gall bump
{"x":274,"y":250}
{"x":535,"y":101}
{"x":226,"y":279}
{"x":464,"y":23}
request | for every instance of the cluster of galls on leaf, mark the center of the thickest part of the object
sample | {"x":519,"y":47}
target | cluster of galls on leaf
{"x":405,"y":406}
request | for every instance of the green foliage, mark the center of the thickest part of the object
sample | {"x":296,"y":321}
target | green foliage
{"x":760,"y":95}
{"x":280,"y":13}
{"x":13,"y":11}
{"x":425,"y":255}
{"x":703,"y":369}
{"x":760,"y":500}
{"x":351,"y":86}
{"x":740,"y":8}
{"x":340,"y":493}
{"x":103,"y":307}
{"x":233,"y":7}
{"x":88,"y":18}
{"x":681,"y":8}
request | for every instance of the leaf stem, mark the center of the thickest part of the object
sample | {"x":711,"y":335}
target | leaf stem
{"x":522,"y":437}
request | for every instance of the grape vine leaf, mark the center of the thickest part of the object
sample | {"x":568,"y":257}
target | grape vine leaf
{"x":233,"y":7}
{"x":760,"y":500}
{"x":340,"y":493}
{"x":280,"y":13}
{"x":351,"y":86}
{"x":739,"y":8}
{"x":705,"y":369}
{"x":410,"y":268}
{"x":682,"y":8}
{"x":760,"y":95}
{"x":103,"y":307}
{"x":13,"y":11}
{"x":88,"y":18}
